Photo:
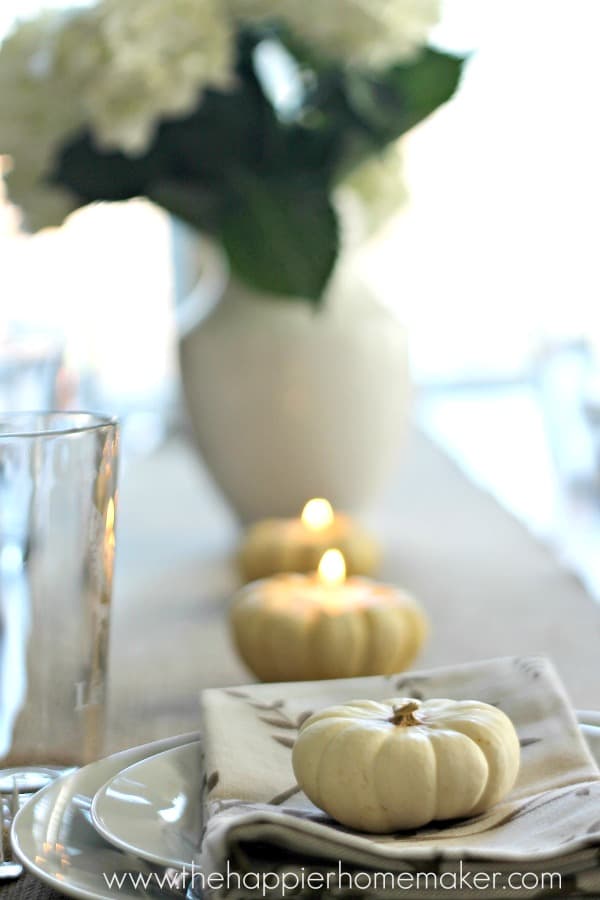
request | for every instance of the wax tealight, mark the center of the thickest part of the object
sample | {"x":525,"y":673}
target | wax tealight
{"x":298,"y":627}
{"x":296,"y":545}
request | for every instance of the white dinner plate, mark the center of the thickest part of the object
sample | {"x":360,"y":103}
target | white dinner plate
{"x":153,"y":808}
{"x":54,"y":839}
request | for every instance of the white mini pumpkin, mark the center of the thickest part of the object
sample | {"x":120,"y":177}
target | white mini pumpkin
{"x":285,"y":545}
{"x":286,"y":628}
{"x":401,"y":763}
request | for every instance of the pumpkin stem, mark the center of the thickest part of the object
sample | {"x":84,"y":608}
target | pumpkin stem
{"x":403,"y":715}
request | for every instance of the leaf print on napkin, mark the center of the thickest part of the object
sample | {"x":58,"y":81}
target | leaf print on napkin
{"x":278,"y":722}
{"x":411,"y":687}
{"x":276,"y":716}
{"x":526,"y":742}
{"x":285,"y":795}
{"x":530,"y":666}
{"x":282,"y":720}
{"x":256,"y":704}
{"x":538,"y":802}
{"x":260,"y":704}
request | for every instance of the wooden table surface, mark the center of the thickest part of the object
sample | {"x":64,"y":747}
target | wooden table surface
{"x":489,"y":587}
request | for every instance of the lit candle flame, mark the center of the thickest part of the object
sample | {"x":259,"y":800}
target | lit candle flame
{"x":332,"y":568}
{"x":317,"y":514}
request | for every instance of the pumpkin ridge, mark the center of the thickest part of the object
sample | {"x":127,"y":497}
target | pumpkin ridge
{"x":368,"y":769}
{"x":490,"y":750}
{"x":449,"y":729}
{"x":342,"y":728}
{"x":398,"y":626}
{"x":436,"y":779}
{"x":368,"y":650}
{"x":382,"y":795}
{"x":317,"y":799}
{"x":399,"y":742}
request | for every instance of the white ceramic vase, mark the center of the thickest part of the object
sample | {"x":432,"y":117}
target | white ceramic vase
{"x":289,"y":402}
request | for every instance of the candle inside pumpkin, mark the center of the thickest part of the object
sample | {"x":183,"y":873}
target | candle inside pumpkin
{"x":297,"y":545}
{"x":323,"y":624}
{"x":327,"y":591}
{"x":331,"y":573}
{"x":332,"y":568}
{"x":318,"y":526}
{"x":317,"y":515}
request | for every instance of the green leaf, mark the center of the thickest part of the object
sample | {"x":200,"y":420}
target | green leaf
{"x":226,"y":130}
{"x":394,"y":101}
{"x":426,"y":84}
{"x":363,"y":112}
{"x":281,"y":235}
{"x":96,"y":175}
{"x":192,"y":202}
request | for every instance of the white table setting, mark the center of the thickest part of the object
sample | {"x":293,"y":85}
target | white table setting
{"x":138,"y":819}
{"x":133,"y":821}
{"x":269,"y":627}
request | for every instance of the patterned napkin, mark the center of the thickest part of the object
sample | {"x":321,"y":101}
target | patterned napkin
{"x":257,"y":820}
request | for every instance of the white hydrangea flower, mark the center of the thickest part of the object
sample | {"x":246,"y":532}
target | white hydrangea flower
{"x":379,"y":185}
{"x":371,"y":195}
{"x":141,"y":60}
{"x":117,"y":67}
{"x":37,"y":110}
{"x":363,"y":33}
{"x":41,"y":205}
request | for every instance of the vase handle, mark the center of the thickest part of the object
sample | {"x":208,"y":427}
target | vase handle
{"x":204,"y":265}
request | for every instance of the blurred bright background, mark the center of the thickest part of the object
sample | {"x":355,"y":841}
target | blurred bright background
{"x":495,"y":270}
